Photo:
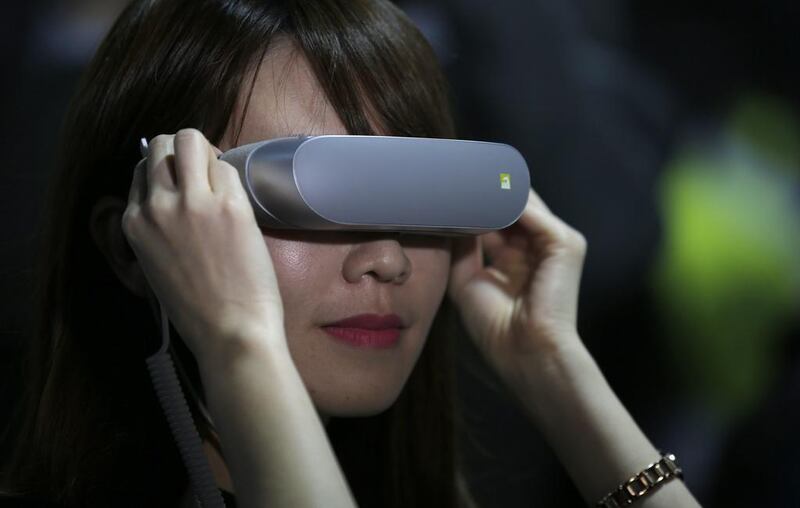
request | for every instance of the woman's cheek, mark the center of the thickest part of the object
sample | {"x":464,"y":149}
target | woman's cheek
{"x":434,"y":266}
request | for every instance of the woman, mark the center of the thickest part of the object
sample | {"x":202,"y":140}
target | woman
{"x":294,"y":417}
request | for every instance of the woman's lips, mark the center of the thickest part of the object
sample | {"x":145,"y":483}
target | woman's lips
{"x":370,"y":322}
{"x":361,"y":337}
{"x":367,"y":330}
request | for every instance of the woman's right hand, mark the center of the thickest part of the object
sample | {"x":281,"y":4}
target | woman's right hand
{"x":194,"y":232}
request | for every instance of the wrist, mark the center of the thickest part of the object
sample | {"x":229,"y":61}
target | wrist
{"x":564,"y":356}
{"x":244,"y":343}
{"x":542,"y":382}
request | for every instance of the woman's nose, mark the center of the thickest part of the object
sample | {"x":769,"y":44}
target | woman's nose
{"x":381,"y":256}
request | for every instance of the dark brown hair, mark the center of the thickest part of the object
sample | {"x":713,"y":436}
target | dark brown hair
{"x":89,"y":431}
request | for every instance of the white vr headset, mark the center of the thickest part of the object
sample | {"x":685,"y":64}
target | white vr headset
{"x":383,"y":183}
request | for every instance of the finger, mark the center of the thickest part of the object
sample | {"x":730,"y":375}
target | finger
{"x":160,"y":165}
{"x":491,"y":243}
{"x":513,"y":237}
{"x":505,"y":253}
{"x":535,"y":201}
{"x":217,"y":153}
{"x":138,"y":191}
{"x":219,"y":177}
{"x":516,"y":236}
{"x":226,"y":179}
{"x":538,"y":222}
{"x":192,"y":152}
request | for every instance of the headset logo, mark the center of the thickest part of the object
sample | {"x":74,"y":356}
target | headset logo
{"x":505,"y":181}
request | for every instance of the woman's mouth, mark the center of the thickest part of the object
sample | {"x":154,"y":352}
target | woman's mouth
{"x":361,"y":337}
{"x":367,"y":330}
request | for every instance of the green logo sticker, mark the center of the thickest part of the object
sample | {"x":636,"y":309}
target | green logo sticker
{"x":505,"y":181}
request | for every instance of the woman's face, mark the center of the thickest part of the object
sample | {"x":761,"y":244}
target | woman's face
{"x":328,"y":276}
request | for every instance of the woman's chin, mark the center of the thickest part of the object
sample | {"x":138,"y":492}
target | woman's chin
{"x":355,"y":407}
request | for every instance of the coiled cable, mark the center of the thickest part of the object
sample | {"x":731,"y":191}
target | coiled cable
{"x":176,"y":409}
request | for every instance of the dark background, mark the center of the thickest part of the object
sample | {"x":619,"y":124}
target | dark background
{"x":666,"y":132}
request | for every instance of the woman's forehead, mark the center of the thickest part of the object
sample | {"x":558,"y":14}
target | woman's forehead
{"x":286,"y":100}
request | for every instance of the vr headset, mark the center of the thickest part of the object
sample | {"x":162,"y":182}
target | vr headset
{"x":383,"y":183}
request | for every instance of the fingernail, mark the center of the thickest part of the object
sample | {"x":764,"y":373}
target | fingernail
{"x":143,"y":147}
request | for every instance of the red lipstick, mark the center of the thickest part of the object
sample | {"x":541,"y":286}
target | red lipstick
{"x":367,"y":330}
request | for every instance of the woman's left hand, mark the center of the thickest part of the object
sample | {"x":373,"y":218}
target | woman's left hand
{"x":522,"y":305}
